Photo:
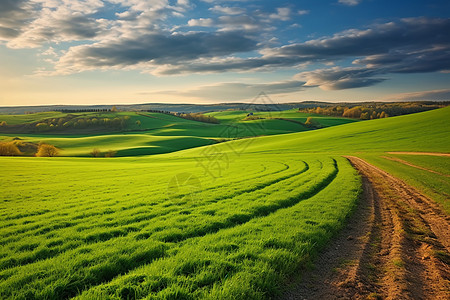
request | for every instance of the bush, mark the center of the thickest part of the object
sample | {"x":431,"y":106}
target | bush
{"x":310,"y":122}
{"x":95,"y":152}
{"x":46,"y":150}
{"x":9,"y":149}
{"x":110,"y":153}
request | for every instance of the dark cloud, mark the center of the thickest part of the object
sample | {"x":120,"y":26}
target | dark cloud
{"x":79,"y":27}
{"x":157,"y":48}
{"x":13,"y":16}
{"x":341,"y":78}
{"x":408,"y":46}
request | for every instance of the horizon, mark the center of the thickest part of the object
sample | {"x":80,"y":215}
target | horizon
{"x":117,"y":52}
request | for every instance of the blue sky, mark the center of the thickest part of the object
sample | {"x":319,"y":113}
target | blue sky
{"x":134,"y":51}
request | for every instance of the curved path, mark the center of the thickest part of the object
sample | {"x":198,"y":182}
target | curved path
{"x":395,"y":246}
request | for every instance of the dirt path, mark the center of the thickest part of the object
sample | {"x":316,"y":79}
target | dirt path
{"x":412,"y":165}
{"x":422,"y":153}
{"x":396,"y":246}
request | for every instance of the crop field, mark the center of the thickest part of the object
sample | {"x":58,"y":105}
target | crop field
{"x":234,"y":220}
{"x":147,"y":133}
{"x":77,"y":228}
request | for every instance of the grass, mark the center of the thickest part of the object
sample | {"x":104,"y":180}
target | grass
{"x":155,"y":133}
{"x":225,"y":221}
{"x":59,"y":242}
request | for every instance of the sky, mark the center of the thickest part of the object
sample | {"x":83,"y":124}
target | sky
{"x":183,"y":51}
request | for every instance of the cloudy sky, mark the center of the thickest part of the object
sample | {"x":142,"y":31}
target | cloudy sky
{"x":209,"y":51}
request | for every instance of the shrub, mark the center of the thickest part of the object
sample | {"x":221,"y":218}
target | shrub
{"x":310,"y":122}
{"x":110,"y":153}
{"x":95,"y":152}
{"x":9,"y":149}
{"x":46,"y":150}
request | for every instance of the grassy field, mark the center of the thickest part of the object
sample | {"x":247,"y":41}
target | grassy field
{"x":227,"y":221}
{"x":157,"y":133}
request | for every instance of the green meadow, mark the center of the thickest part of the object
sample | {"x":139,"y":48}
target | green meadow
{"x":218,"y":211}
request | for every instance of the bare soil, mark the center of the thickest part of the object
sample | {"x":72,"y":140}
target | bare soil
{"x":395,"y":246}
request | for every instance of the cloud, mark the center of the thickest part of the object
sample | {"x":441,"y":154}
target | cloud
{"x":409,"y":46}
{"x":227,"y":10}
{"x":202,"y":22}
{"x":153,"y":48}
{"x":234,"y":91}
{"x":340,"y":78}
{"x":283,"y":14}
{"x":51,"y":21}
{"x":432,"y":95}
{"x":13,"y":17}
{"x":350,"y":2}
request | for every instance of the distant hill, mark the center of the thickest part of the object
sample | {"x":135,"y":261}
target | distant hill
{"x":258,"y":105}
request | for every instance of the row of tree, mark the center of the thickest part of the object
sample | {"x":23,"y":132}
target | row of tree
{"x":12,"y":148}
{"x":199,"y":117}
{"x":71,"y":121}
{"x":373,"y":110}
{"x":189,"y":116}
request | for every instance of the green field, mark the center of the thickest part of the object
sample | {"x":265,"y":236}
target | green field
{"x":232,"y":220}
{"x":159,"y":133}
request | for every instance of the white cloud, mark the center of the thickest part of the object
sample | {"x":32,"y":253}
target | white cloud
{"x":208,"y":22}
{"x":283,"y":14}
{"x":227,"y":10}
{"x":350,"y":2}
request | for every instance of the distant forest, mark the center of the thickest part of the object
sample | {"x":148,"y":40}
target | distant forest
{"x":373,"y":110}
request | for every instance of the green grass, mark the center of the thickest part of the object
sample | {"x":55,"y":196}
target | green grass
{"x":247,"y":215}
{"x":440,"y":164}
{"x":157,"y":133}
{"x":78,"y":227}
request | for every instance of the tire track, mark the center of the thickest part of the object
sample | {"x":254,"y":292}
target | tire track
{"x":396,"y":246}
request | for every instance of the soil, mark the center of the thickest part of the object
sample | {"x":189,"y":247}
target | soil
{"x":395,"y":246}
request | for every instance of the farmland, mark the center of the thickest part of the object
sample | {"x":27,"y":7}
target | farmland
{"x":233,"y":220}
{"x":151,"y":133}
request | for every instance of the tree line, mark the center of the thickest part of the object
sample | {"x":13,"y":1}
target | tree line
{"x":373,"y":110}
{"x":17,"y":147}
{"x":74,"y":122}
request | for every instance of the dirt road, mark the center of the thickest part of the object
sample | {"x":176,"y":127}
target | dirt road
{"x":396,"y":246}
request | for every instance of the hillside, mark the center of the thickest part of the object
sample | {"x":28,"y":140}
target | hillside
{"x":144,"y":133}
{"x":232,"y":220}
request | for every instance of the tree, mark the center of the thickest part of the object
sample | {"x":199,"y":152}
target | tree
{"x":365,"y":116}
{"x":138,"y":123}
{"x":95,"y":152}
{"x":42,"y":126}
{"x":110,"y":153}
{"x":3,"y":123}
{"x":114,"y":109}
{"x":9,"y":149}
{"x":383,"y":115}
{"x":46,"y":150}
{"x":310,"y":122}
